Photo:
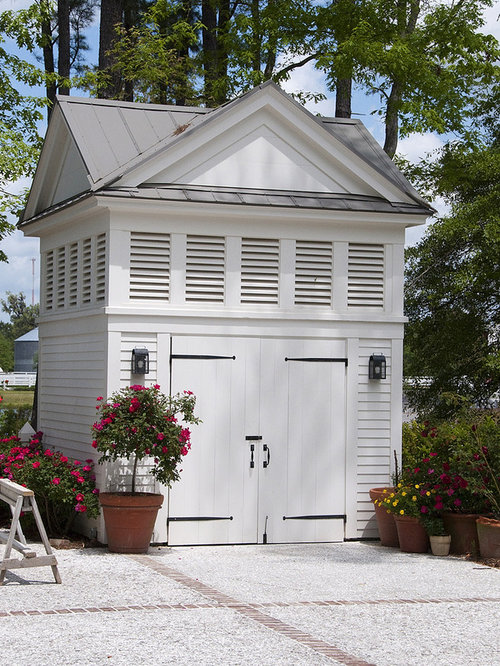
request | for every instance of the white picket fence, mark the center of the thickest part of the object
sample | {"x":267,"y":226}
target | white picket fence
{"x":9,"y":379}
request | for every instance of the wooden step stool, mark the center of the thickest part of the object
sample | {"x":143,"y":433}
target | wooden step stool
{"x":23,"y":499}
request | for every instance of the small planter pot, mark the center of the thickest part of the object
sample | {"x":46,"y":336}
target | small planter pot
{"x":488,"y":530}
{"x":412,"y":535}
{"x":387,"y":530}
{"x":440,"y":544}
{"x":463,"y":531}
{"x":129,"y":520}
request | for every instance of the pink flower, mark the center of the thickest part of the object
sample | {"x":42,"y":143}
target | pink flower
{"x":80,"y":497}
{"x":100,"y":398}
{"x":188,"y":392}
{"x":160,"y":436}
{"x":432,"y":454}
{"x":56,"y":481}
{"x":36,"y":464}
{"x":63,"y":459}
{"x":87,"y":468}
{"x":94,"y":444}
{"x":424,"y":509}
{"x":96,"y":491}
{"x":184,"y":451}
{"x":156,"y":386}
{"x":48,"y":453}
{"x":457,"y":502}
{"x":164,"y":449}
{"x":80,"y":507}
{"x":80,"y":479}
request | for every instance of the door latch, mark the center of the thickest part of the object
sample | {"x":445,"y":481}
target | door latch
{"x":252,"y":449}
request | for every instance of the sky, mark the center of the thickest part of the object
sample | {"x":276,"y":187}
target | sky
{"x":17,"y":275}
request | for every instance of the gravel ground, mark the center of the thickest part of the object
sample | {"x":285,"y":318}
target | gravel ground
{"x":431,"y":610}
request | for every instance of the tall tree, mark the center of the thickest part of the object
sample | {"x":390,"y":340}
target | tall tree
{"x":425,"y":61}
{"x":19,"y":113}
{"x":453,"y":274}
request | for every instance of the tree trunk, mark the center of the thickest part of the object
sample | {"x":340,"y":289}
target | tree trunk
{"x":111,"y":15}
{"x":392,"y":120}
{"x":48,"y":62}
{"x":209,"y":45}
{"x":343,"y":94}
{"x":63,"y":63}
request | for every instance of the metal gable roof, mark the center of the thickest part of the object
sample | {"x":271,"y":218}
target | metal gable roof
{"x":113,"y":135}
{"x":115,"y":138}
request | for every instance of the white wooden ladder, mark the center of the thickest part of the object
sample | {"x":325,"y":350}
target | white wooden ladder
{"x":23,"y":499}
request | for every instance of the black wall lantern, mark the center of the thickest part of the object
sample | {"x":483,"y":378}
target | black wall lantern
{"x":377,"y":366}
{"x":140,"y":361}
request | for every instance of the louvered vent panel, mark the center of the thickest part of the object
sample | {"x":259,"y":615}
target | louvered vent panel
{"x":100,"y":268}
{"x":313,"y":273}
{"x":205,"y":266}
{"x":49,"y":280}
{"x":73,"y":274}
{"x":61,"y":277}
{"x":260,"y":268}
{"x":87,"y":270}
{"x":366,"y":276}
{"x":149,"y":266}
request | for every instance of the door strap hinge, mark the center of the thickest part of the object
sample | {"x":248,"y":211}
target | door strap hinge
{"x":322,"y":359}
{"x":175,"y":519}
{"x":333,"y":516}
{"x":203,"y":357}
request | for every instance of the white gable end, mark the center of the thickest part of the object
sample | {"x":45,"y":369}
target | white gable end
{"x":72,"y":176}
{"x":262,"y":151}
{"x":261,"y":160}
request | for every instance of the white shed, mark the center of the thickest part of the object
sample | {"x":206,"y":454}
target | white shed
{"x":256,"y":251}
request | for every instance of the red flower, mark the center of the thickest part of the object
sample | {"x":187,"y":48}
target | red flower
{"x":94,"y":444}
{"x":36,"y":464}
{"x":63,"y":459}
{"x":56,"y":481}
{"x":80,"y":497}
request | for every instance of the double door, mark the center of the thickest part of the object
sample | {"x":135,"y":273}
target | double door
{"x":268,"y":462}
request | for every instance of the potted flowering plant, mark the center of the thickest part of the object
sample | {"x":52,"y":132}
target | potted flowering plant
{"x":140,"y":423}
{"x":408,"y":503}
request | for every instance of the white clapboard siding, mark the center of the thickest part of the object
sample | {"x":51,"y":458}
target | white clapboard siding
{"x":260,"y":270}
{"x":313,"y":273}
{"x":72,"y":375}
{"x":129,"y":341}
{"x":205,"y":269}
{"x":365,"y":276}
{"x":374,"y":434}
{"x":149,"y":266}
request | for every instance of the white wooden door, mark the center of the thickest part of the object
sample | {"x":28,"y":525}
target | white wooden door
{"x":302,"y":489}
{"x":268,"y":461}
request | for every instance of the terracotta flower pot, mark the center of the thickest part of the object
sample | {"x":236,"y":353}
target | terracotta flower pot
{"x":463,"y":531}
{"x":440,"y":544}
{"x":129,"y":520}
{"x":412,"y":535}
{"x":385,"y":521}
{"x":488,"y":530}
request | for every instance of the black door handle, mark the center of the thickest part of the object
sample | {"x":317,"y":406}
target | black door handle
{"x":252,"y":449}
{"x":267,"y":450}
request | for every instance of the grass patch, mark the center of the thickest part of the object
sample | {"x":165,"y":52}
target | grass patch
{"x":16,"y":399}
